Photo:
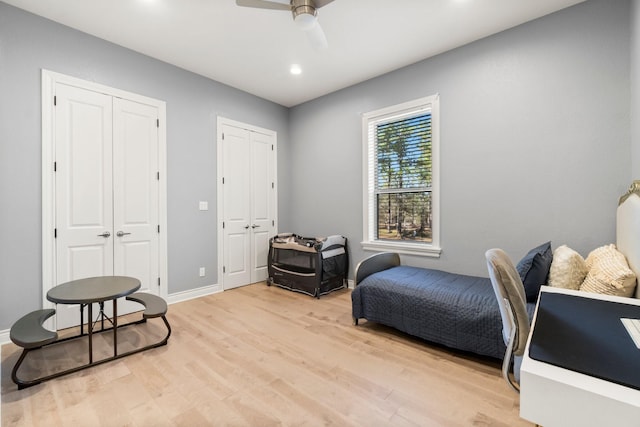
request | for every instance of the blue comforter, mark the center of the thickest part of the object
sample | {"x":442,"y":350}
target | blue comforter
{"x":450,"y":309}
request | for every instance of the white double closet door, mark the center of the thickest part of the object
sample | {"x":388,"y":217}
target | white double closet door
{"x":106,"y":192}
{"x":249,"y":201}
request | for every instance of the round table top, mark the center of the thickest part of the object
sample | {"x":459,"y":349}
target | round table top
{"x":93,"y":289}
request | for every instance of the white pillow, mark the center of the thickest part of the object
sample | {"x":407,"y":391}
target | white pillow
{"x":609,"y":273}
{"x":568,"y":268}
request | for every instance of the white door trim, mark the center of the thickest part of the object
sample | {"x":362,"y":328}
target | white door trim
{"x":221,"y":121}
{"x":49,"y":81}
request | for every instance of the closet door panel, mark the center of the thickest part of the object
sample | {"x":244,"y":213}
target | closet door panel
{"x":83,"y":186}
{"x":237,"y":210}
{"x":136,"y":192}
{"x":261,"y":196}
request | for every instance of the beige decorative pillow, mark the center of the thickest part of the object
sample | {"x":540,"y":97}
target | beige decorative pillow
{"x":598,"y":253}
{"x":568,"y":268}
{"x":609,"y":273}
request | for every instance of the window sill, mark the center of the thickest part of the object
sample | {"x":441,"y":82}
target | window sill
{"x":402,"y":248}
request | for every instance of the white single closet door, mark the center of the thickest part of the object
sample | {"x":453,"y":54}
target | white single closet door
{"x":83,"y":178}
{"x":135,"y":196}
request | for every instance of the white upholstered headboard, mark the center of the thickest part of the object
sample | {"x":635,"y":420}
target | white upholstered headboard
{"x":628,"y":228}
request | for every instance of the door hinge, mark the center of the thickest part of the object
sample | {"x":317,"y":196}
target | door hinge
{"x":55,"y":233}
{"x":158,"y":176}
{"x":223,"y":179}
{"x":273,"y":223}
{"x":223,"y":136}
{"x":55,"y":166}
{"x":55,"y":100}
{"x":222,"y":224}
{"x":224,"y":269}
{"x":158,"y":228}
{"x":273,"y":185}
{"x":158,"y":123}
{"x":271,"y":147}
{"x":158,"y":282}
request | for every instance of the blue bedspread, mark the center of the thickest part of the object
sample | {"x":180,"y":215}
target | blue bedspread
{"x":454,"y":310}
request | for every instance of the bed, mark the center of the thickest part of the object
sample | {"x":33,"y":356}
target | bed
{"x":453,"y":310}
{"x":459,"y":311}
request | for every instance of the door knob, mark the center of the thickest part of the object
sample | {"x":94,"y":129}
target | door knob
{"x":246,"y":226}
{"x":105,"y":234}
{"x":121,"y":233}
{"x":255,"y":226}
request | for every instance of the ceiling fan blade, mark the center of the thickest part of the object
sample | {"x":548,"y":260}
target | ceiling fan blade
{"x":321,"y":3}
{"x":263,"y":4}
{"x":316,"y":37}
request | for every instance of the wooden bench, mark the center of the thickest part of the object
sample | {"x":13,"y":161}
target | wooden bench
{"x":28,"y":333}
{"x":155,"y":306}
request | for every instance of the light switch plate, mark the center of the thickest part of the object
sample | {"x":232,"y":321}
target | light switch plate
{"x":204,"y":206}
{"x":201,"y":271}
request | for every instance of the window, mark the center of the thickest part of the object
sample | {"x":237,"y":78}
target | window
{"x":401,"y":178}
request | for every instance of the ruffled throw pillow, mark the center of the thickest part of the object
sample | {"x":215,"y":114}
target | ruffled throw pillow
{"x":609,"y":273}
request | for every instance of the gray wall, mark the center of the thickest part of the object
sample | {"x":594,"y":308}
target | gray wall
{"x":27,"y":45}
{"x":635,"y":89}
{"x":535,"y":140}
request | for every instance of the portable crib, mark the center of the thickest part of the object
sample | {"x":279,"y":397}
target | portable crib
{"x":314,"y":266}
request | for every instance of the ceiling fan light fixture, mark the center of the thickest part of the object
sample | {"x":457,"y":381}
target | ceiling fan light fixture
{"x":304,"y":14}
{"x":304,"y":21}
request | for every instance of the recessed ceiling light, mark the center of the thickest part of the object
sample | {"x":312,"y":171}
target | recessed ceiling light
{"x":295,"y":70}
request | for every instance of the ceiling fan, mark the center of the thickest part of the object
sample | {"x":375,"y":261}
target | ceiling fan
{"x":305,"y":15}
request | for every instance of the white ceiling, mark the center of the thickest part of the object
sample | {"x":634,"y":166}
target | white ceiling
{"x":253,"y":49}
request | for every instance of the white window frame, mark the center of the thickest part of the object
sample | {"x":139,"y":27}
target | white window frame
{"x":370,"y":243}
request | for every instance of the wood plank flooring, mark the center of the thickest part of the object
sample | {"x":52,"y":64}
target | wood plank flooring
{"x":263,"y":356}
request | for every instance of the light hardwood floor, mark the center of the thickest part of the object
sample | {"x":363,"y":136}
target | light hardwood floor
{"x":264,"y":356}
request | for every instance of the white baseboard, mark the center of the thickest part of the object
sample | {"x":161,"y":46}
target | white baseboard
{"x":193,"y":293}
{"x":4,"y":337}
{"x":350,"y":284}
